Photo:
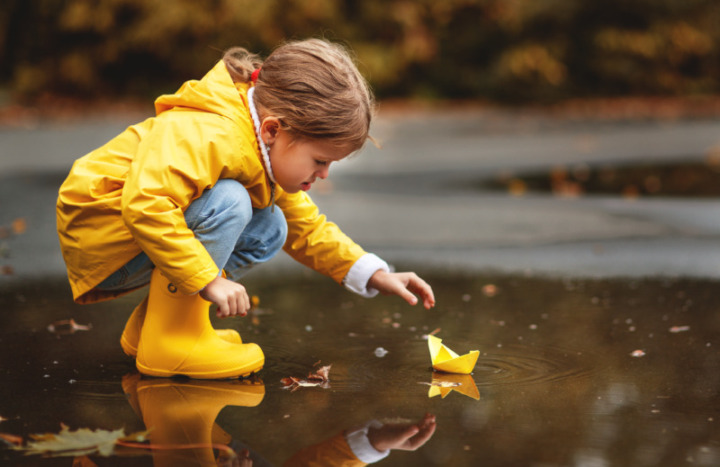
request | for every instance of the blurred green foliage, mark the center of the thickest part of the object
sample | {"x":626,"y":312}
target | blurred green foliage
{"x":512,"y":50}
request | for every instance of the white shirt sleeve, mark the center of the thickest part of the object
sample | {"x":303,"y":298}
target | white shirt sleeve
{"x":359,"y":274}
{"x":358,"y":441}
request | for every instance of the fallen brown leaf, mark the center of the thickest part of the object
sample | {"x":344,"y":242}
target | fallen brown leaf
{"x":321,"y":378}
{"x":19,"y":226}
{"x":67,"y":326}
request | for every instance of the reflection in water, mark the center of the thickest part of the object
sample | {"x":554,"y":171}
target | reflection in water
{"x":180,"y":418}
{"x":443,"y":384}
{"x":181,"y":414}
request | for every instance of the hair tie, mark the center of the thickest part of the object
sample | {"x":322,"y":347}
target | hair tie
{"x":254,"y":75}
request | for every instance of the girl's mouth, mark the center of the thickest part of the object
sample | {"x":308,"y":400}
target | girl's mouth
{"x":305,"y":186}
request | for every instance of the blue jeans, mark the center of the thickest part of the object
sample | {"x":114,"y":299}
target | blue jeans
{"x":236,"y":235}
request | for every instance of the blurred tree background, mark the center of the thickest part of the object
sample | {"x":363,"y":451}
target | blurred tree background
{"x":499,"y":50}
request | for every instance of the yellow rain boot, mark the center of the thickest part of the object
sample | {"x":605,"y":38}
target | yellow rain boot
{"x":181,"y":415}
{"x":131,"y":333}
{"x":178,"y":339}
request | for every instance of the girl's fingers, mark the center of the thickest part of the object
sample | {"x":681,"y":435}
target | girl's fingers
{"x":423,"y":289}
{"x":244,"y":305}
{"x":410,"y":298}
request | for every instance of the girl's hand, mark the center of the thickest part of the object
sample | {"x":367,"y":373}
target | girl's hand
{"x":404,"y":284}
{"x":230,"y":297}
{"x":405,"y":437}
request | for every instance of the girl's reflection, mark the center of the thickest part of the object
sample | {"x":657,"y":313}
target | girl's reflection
{"x":180,"y":416}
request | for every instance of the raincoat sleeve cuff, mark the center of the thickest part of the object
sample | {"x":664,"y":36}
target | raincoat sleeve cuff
{"x":359,"y":274}
{"x":360,"y":445}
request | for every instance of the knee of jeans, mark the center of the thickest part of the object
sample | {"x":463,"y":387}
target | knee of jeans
{"x":229,"y":202}
{"x":232,"y":193}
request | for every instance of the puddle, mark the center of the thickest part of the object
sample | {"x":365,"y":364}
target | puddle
{"x":696,"y":180}
{"x":556,"y":382}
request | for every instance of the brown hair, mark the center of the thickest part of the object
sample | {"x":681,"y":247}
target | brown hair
{"x":313,"y":87}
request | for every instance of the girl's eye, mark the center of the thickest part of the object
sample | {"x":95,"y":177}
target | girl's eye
{"x":319,"y":162}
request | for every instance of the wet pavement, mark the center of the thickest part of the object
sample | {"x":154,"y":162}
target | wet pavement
{"x":594,"y":311}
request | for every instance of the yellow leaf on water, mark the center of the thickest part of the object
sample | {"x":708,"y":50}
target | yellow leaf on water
{"x":80,"y":442}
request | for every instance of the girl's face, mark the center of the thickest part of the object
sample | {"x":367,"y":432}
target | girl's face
{"x":297,"y":163}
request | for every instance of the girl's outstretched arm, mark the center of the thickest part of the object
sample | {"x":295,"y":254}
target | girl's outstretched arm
{"x":404,"y":284}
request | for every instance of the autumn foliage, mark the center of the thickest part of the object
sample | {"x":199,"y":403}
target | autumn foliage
{"x":491,"y":49}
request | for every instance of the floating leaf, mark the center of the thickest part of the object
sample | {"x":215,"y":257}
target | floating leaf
{"x":74,"y":443}
{"x":321,"y":378}
{"x":67,"y":326}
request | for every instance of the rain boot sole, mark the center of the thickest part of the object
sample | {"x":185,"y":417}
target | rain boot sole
{"x":129,"y":349}
{"x":241,"y":372}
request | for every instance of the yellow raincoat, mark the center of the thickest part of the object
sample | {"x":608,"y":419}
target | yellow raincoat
{"x":129,"y":195}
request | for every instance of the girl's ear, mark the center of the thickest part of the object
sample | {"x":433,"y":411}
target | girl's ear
{"x":269,"y":130}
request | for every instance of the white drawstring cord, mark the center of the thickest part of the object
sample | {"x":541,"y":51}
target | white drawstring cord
{"x":261,"y":143}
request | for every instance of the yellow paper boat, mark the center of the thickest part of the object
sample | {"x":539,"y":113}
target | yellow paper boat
{"x":444,"y":359}
{"x":443,"y":384}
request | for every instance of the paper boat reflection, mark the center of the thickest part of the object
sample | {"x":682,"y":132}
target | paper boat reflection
{"x":443,"y":384}
{"x":444,"y":359}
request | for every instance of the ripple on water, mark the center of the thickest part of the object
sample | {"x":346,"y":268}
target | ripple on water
{"x":356,"y":366}
{"x":518,"y":365}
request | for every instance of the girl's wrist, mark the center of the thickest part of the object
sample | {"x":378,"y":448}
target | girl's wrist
{"x":358,"y":278}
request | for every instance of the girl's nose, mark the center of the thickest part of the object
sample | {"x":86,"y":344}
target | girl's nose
{"x":324,"y":172}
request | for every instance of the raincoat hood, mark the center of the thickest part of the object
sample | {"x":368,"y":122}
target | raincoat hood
{"x":215,"y":93}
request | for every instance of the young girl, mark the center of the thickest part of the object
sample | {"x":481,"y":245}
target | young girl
{"x":216,"y":183}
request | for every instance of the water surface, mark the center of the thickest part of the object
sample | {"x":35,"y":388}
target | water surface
{"x":571,"y":373}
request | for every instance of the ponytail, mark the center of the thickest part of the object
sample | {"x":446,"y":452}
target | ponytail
{"x":241,"y":64}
